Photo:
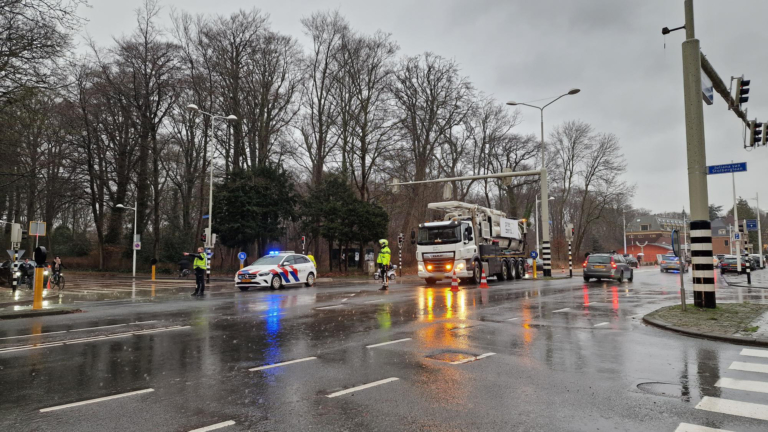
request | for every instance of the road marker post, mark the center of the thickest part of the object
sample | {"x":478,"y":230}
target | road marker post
{"x":454,"y":282}
{"x":37,"y":303}
{"x":483,"y":281}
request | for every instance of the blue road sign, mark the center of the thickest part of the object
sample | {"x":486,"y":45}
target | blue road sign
{"x":751,"y":224}
{"x":534,"y":254}
{"x":205,"y":216}
{"x":737,"y":236}
{"x":727,"y":168}
{"x":241,"y":256}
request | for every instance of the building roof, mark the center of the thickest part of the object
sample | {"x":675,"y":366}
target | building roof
{"x":653,"y":223}
{"x":720,"y":227}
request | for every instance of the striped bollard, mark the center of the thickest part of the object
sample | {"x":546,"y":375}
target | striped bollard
{"x":703,"y":269}
{"x":546,"y":255}
{"x":570,"y":261}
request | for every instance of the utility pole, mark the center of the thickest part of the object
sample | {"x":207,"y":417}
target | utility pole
{"x":759,"y":232}
{"x":536,"y":221}
{"x":736,"y":224}
{"x":701,"y":227}
{"x":624,"y":222}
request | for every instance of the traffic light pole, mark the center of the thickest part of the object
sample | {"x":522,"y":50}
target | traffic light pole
{"x":736,"y":223}
{"x":701,"y":228}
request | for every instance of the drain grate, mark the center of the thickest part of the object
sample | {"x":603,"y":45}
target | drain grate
{"x":669,"y":390}
{"x":452,"y":357}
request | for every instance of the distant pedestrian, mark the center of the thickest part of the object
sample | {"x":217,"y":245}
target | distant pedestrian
{"x":383,"y":261}
{"x":200,"y":265}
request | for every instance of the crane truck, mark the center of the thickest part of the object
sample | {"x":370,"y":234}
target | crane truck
{"x":467,"y":239}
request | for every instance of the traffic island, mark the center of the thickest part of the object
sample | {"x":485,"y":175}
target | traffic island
{"x":31,"y":313}
{"x":730,"y":322}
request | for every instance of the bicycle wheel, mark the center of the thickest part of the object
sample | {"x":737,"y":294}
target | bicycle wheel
{"x":60,"y":283}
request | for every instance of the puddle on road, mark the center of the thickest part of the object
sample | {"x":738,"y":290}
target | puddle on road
{"x":451,"y":356}
{"x":669,"y":390}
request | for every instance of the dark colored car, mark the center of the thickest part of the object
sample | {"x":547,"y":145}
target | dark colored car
{"x":632,"y":262}
{"x":607,"y":266}
{"x":671,"y":262}
{"x":729,"y":264}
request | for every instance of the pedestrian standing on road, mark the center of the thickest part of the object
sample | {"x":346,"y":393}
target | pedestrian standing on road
{"x":383,"y":261}
{"x":200,"y":265}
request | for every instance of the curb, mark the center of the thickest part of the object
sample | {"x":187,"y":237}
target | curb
{"x":32,"y":314}
{"x":741,"y":340}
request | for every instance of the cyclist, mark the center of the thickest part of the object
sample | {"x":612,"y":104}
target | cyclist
{"x":183,"y":268}
{"x":57,"y":267}
{"x":27,"y":270}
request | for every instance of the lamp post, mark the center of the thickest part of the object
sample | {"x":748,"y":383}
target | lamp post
{"x":759,"y":231}
{"x":624,"y":222}
{"x":544,"y":192}
{"x":135,"y":219}
{"x":209,"y":239}
{"x":537,"y":223}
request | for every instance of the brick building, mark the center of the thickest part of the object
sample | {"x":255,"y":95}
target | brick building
{"x":654,"y":233}
{"x":721,"y":236}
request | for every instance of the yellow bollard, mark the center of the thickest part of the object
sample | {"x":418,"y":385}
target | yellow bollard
{"x":38,"y":301}
{"x":241,"y":265}
{"x":534,"y":269}
{"x":153,"y":272}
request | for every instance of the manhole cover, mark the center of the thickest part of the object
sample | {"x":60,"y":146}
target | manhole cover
{"x":663,"y":389}
{"x":451,"y":357}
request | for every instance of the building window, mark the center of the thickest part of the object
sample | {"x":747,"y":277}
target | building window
{"x":722,"y":232}
{"x":644,"y":227}
{"x":725,"y":242}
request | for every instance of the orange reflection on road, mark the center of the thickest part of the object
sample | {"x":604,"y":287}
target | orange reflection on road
{"x":586,"y":294}
{"x":527,"y":317}
{"x":427,"y":300}
{"x":615,"y":296}
{"x":448,"y":304}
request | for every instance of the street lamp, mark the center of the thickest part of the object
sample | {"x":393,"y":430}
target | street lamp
{"x":135,"y":218}
{"x":209,"y":239}
{"x":544,"y":185}
{"x":759,"y":230}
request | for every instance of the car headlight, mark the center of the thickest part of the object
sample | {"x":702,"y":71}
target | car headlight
{"x":264,"y":274}
{"x":421,"y":267}
{"x":45,"y":273}
{"x":460,"y":265}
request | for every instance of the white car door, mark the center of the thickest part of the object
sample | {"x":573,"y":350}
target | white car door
{"x":305,"y":267}
{"x":289,"y":270}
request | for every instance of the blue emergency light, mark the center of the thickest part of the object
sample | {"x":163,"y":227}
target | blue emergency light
{"x":274,"y":252}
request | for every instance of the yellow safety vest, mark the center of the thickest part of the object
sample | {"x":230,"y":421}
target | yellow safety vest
{"x":312,"y":258}
{"x":201,"y":263}
{"x":384,"y":256}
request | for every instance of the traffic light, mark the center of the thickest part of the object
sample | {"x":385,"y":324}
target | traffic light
{"x":763,"y":134}
{"x":756,"y":135}
{"x":24,"y":234}
{"x":400,"y":240}
{"x":742,"y":224}
{"x":303,"y":241}
{"x":205,"y":236}
{"x":742,"y":90}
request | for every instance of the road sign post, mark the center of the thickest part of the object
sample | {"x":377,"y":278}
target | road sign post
{"x":681,"y":257}
{"x":534,"y":255}
{"x":242,"y":256}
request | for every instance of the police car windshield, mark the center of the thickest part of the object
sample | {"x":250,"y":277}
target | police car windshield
{"x":269,"y":260}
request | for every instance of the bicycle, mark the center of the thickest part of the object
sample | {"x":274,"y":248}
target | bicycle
{"x":57,"y":281}
{"x":184,"y":273}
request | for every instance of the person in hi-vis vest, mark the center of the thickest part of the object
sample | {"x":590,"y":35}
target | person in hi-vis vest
{"x":200,"y":265}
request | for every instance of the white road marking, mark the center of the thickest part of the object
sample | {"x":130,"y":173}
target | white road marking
{"x":601,"y":324}
{"x":733,"y":407}
{"x":76,"y":341}
{"x":687,"y":427}
{"x":29,"y":347}
{"x":143,"y":322}
{"x":30,"y":335}
{"x":345,"y":299}
{"x":272,"y":315}
{"x":160,"y":330}
{"x":513,"y":319}
{"x":467,"y":360}
{"x":754,"y":352}
{"x":362,"y":387}
{"x":374,"y":301}
{"x":92,"y":328}
{"x":749,"y":367}
{"x":562,"y":310}
{"x":91,"y":339}
{"x":330,"y":307}
{"x":281,"y":364}
{"x":214,"y":426}
{"x":587,"y":304}
{"x":387,"y":343}
{"x":96,"y":400}
{"x":746,"y":385}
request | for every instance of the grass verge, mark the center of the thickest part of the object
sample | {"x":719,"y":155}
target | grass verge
{"x":726,"y":319}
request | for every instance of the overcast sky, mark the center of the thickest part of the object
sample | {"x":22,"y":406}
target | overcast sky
{"x":528,"y":50}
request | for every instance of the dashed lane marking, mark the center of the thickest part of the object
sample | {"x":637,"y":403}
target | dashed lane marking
{"x":214,"y":426}
{"x":601,"y":324}
{"x":746,"y":385}
{"x":99,"y":327}
{"x":30,"y":335}
{"x":754,"y":352}
{"x":97,"y":400}
{"x":374,"y":301}
{"x":387,"y":343}
{"x":687,"y":427}
{"x":76,"y":330}
{"x":471,"y":359}
{"x":329,"y":307}
{"x":362,"y":387}
{"x":733,"y":407}
{"x":749,"y":367}
{"x":513,"y":319}
{"x":281,"y":364}
{"x":561,"y":310}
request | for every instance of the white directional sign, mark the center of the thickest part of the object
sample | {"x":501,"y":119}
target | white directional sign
{"x":137,"y":246}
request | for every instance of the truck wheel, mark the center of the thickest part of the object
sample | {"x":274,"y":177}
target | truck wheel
{"x":520,"y":269}
{"x":477,"y":273}
{"x":512,"y":270}
{"x":430,"y":281}
{"x":504,"y":275}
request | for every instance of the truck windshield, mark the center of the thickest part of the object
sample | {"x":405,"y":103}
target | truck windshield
{"x":439,"y":235}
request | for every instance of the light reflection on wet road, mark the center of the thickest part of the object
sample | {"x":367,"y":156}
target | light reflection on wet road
{"x":553,"y":369}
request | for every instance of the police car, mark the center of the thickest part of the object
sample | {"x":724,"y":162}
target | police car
{"x":276,"y":270}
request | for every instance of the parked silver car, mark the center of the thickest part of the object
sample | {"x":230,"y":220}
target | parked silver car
{"x":607,"y":266}
{"x":671,"y":262}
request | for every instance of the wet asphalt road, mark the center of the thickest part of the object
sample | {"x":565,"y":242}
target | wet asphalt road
{"x":526,"y":355}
